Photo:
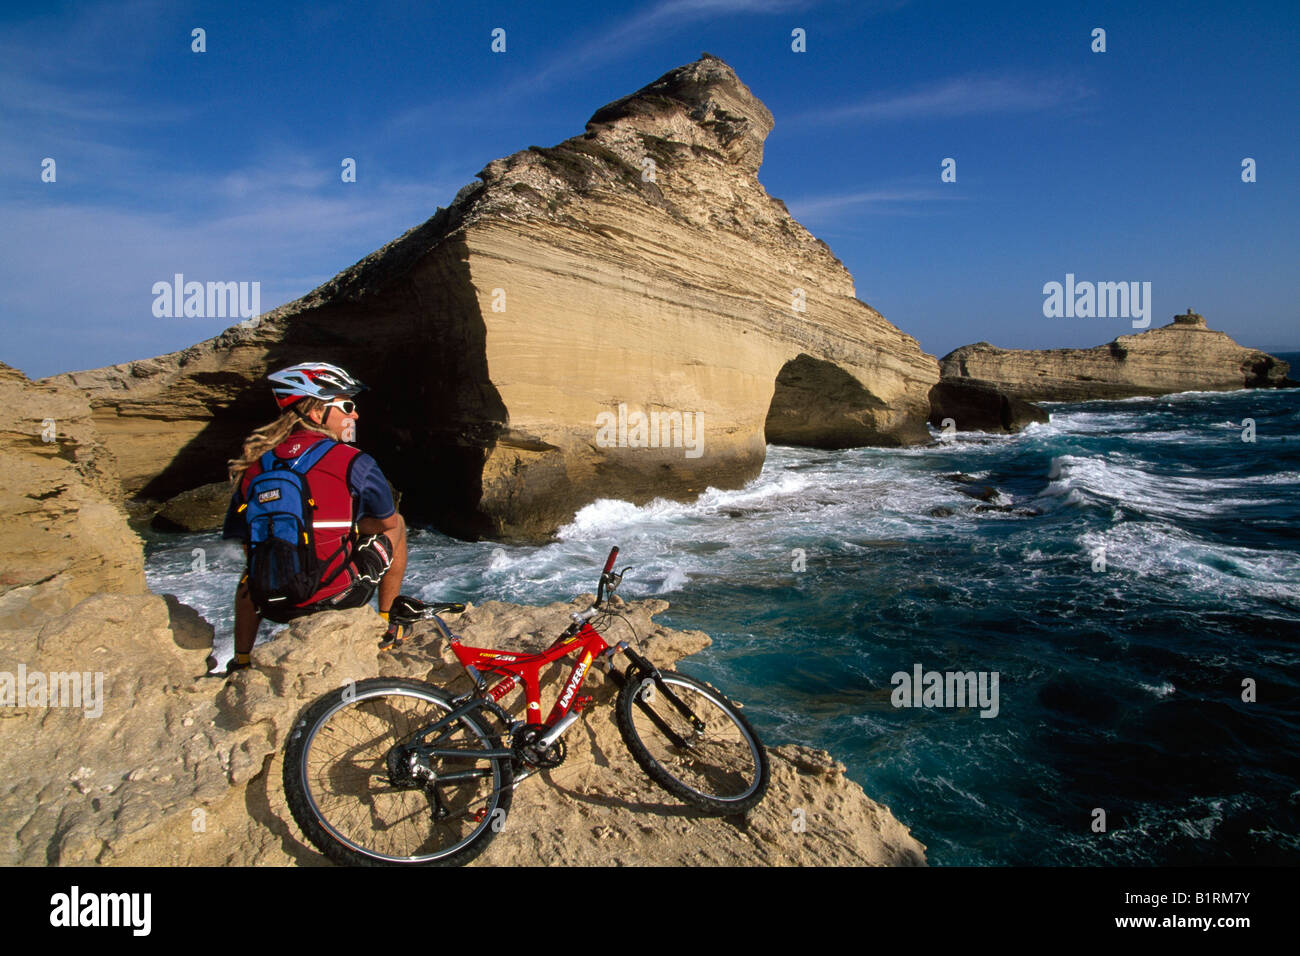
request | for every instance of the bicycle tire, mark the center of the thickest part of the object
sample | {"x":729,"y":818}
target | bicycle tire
{"x":340,"y":790}
{"x":722,"y":770}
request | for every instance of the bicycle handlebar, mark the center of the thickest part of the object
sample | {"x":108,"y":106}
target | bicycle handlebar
{"x":604,"y":575}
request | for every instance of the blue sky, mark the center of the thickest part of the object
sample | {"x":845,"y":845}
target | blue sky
{"x":1115,"y":166}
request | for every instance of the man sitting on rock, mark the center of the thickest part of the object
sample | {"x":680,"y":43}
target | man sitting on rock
{"x":316,"y":515}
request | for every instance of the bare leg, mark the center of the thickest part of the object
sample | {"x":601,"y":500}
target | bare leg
{"x":390,"y":585}
{"x":246,"y":620}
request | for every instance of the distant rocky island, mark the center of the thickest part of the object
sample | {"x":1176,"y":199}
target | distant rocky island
{"x":1185,"y":355}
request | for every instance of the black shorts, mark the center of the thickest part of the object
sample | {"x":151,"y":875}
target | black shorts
{"x":370,"y":561}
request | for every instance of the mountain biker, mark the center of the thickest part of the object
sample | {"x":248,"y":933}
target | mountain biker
{"x":360,"y":538}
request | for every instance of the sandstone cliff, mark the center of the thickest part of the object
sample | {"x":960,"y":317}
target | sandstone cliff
{"x":176,"y":770}
{"x":638,"y":269}
{"x":64,"y":536}
{"x":1184,"y":355}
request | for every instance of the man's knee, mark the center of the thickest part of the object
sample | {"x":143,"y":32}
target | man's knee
{"x":373,"y":556}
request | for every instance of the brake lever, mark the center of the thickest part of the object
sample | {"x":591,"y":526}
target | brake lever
{"x":616,"y":579}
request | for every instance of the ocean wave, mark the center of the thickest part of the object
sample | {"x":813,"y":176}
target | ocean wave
{"x":1189,"y":396}
{"x":1115,"y":480}
{"x":1163,"y":551}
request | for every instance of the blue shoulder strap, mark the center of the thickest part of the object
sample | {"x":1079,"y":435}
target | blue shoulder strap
{"x":309,"y":459}
{"x":303,"y":463}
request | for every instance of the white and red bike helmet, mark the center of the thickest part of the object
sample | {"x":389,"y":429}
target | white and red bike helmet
{"x":312,"y":380}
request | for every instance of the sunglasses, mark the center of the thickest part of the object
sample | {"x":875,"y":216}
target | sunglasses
{"x":347,"y":407}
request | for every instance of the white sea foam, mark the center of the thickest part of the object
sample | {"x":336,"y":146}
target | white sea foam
{"x":1169,"y":554}
{"x":675,"y":581}
{"x":1113,"y":480}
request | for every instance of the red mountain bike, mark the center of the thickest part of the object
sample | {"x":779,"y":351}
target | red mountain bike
{"x":392,"y":771}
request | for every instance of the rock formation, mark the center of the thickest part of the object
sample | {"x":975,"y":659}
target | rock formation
{"x":978,"y":408}
{"x":199,"y":509}
{"x":626,"y":314}
{"x":175,"y":770}
{"x":64,"y":536}
{"x":1182,"y":356}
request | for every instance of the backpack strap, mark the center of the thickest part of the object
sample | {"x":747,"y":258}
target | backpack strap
{"x":311,"y":457}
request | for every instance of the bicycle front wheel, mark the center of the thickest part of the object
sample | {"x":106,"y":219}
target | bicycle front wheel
{"x":693,"y":742}
{"x":366,"y":796}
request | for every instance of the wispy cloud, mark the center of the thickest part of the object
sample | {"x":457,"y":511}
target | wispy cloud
{"x":828,"y":207}
{"x":974,"y":95}
{"x":617,"y":39}
{"x":76,"y":278}
{"x":670,"y":16}
{"x":78,"y":257}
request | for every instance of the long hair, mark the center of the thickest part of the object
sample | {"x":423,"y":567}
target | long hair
{"x":267,"y":437}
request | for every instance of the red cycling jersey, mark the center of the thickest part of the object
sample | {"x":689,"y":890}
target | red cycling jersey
{"x":346,"y":485}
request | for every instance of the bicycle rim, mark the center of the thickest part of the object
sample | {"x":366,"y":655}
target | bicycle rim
{"x":721,"y":762}
{"x":347,"y":785}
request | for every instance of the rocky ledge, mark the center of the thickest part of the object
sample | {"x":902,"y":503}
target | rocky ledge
{"x":178,"y":770}
{"x":1183,"y":356}
{"x":626,"y":314}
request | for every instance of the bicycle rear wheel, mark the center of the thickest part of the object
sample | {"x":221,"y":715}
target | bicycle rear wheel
{"x":363,"y":799}
{"x":698,"y":746}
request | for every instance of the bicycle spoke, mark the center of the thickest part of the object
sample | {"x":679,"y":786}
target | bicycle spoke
{"x":691,"y":741}
{"x":346,"y":776}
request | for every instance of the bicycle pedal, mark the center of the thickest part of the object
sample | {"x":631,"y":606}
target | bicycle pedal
{"x":581,"y":703}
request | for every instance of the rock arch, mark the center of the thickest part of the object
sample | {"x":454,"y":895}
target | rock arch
{"x":818,"y":404}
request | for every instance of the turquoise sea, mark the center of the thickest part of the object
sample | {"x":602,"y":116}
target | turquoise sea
{"x":1131,"y":573}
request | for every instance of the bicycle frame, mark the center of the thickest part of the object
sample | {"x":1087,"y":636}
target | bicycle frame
{"x":512,"y":669}
{"x":516,"y":667}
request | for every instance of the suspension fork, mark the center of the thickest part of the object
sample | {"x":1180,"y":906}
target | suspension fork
{"x":642,"y":669}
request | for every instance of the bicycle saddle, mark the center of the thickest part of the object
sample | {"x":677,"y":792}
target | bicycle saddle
{"x":408,"y":610}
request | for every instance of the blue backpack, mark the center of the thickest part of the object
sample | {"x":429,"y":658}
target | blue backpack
{"x":283,"y":567}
